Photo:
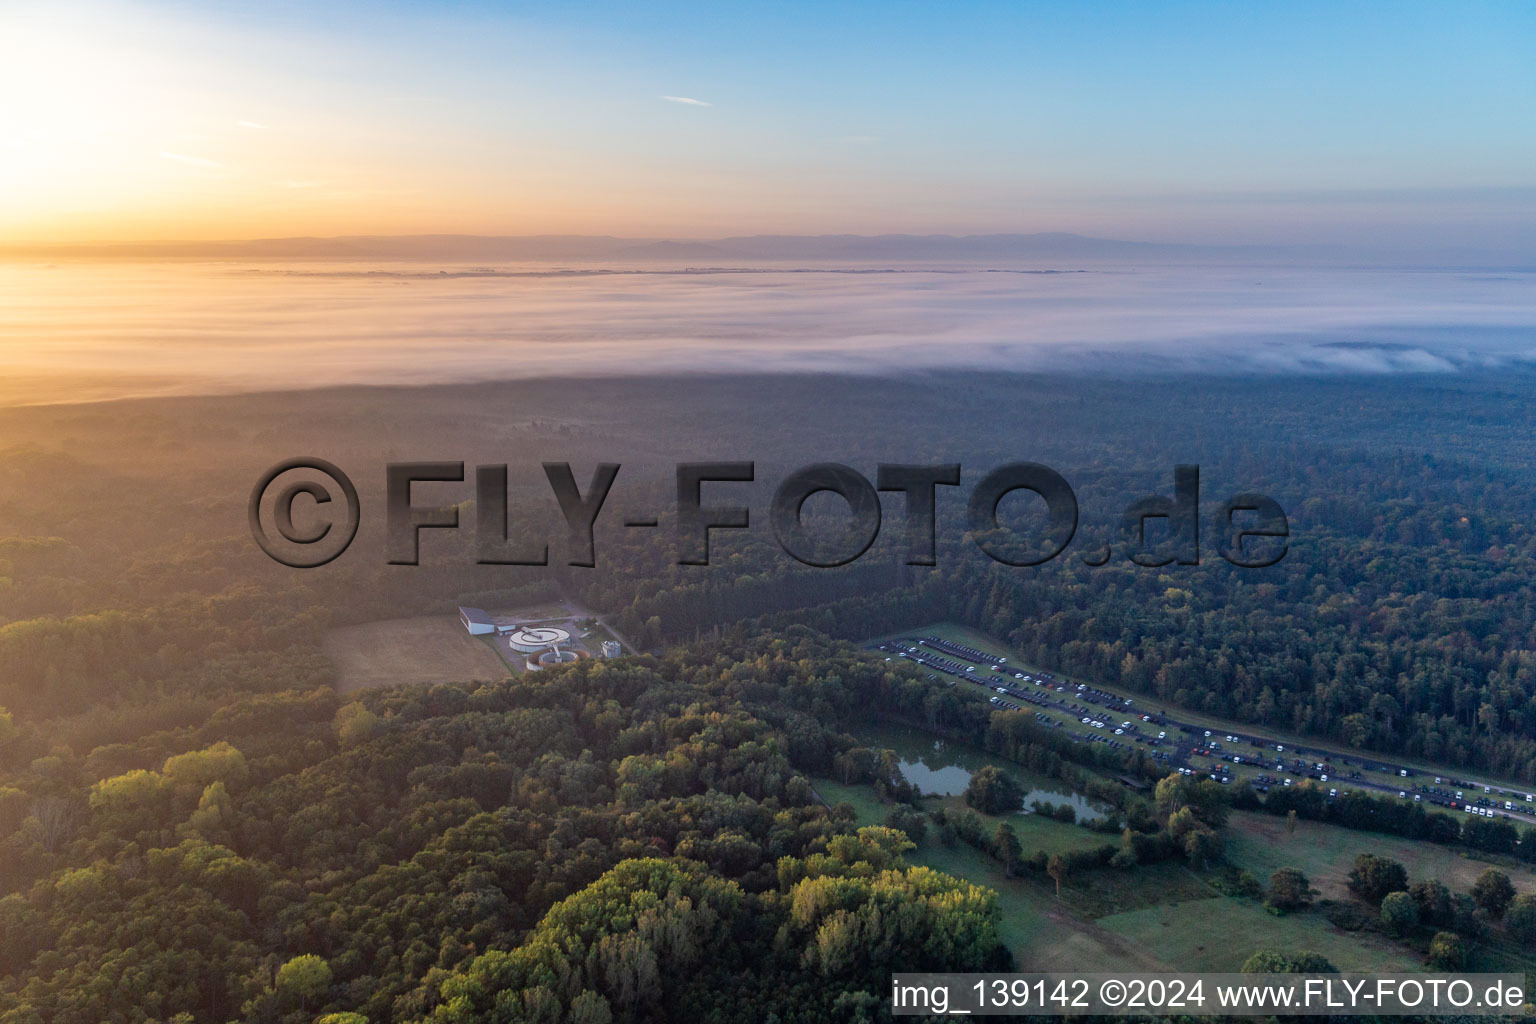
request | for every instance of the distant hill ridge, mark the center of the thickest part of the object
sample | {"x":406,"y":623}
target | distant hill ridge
{"x":896,"y":247}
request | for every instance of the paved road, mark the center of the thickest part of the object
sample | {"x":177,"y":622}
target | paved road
{"x":1256,"y":750}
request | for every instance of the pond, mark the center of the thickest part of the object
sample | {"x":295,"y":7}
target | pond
{"x":941,"y":768}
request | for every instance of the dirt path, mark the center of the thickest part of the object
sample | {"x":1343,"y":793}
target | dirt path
{"x":1073,"y":944}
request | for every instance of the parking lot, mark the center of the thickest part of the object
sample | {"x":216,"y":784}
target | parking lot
{"x":1089,"y":714}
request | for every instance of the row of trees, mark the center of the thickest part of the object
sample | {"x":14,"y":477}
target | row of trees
{"x":1394,"y":816}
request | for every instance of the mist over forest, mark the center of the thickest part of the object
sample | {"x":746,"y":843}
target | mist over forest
{"x":110,"y":329}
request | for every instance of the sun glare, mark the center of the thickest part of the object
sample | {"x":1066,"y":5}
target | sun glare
{"x":114,"y":127}
{"x":78,"y":117}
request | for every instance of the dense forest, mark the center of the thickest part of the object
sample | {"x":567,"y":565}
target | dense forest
{"x":570,"y":840}
{"x":195,"y":826}
{"x":635,"y":840}
{"x":1403,"y":617}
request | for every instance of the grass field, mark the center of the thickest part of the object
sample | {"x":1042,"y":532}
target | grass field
{"x":1164,"y":917}
{"x":1159,"y":917}
{"x":1036,"y":832}
{"x":1219,"y":933}
{"x":598,"y":634}
{"x":1037,"y":927}
{"x":429,"y":649}
{"x":1325,"y":853}
{"x":1046,"y":933}
{"x":865,"y":804}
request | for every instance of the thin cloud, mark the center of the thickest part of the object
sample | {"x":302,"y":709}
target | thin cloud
{"x":250,"y":124}
{"x":687,"y":101}
{"x":194,"y":161}
{"x":300,"y":183}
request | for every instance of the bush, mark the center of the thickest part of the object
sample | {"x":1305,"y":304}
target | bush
{"x":1237,"y":882}
{"x":1447,"y":952}
{"x":1493,"y":892}
{"x":1435,"y":906}
{"x":1373,"y":877}
{"x":1267,"y":961}
{"x":1399,"y":913}
{"x":1289,"y":890}
{"x":1520,"y":919}
{"x":1469,"y":921}
{"x":913,"y":823}
{"x":1348,"y":917}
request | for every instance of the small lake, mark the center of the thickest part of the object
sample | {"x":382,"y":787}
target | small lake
{"x":940,"y":768}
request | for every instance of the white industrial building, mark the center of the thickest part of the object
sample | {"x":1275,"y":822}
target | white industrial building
{"x":476,"y":621}
{"x":530,"y":639}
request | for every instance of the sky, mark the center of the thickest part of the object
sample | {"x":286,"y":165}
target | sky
{"x":1394,"y":124}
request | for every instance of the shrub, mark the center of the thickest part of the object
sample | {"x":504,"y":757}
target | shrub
{"x":1399,"y":913}
{"x":1289,"y":890}
{"x":1373,"y":877}
{"x":1493,"y":891}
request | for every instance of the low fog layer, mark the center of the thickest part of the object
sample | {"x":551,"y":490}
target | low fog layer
{"x":83,"y":331}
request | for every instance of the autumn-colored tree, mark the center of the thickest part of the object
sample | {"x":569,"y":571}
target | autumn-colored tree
{"x":303,"y":980}
{"x":1447,"y":952}
{"x":355,"y":724}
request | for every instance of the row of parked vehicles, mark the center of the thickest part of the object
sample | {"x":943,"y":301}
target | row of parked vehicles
{"x":1221,"y":773}
{"x":937,"y":653}
{"x":961,"y":651}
